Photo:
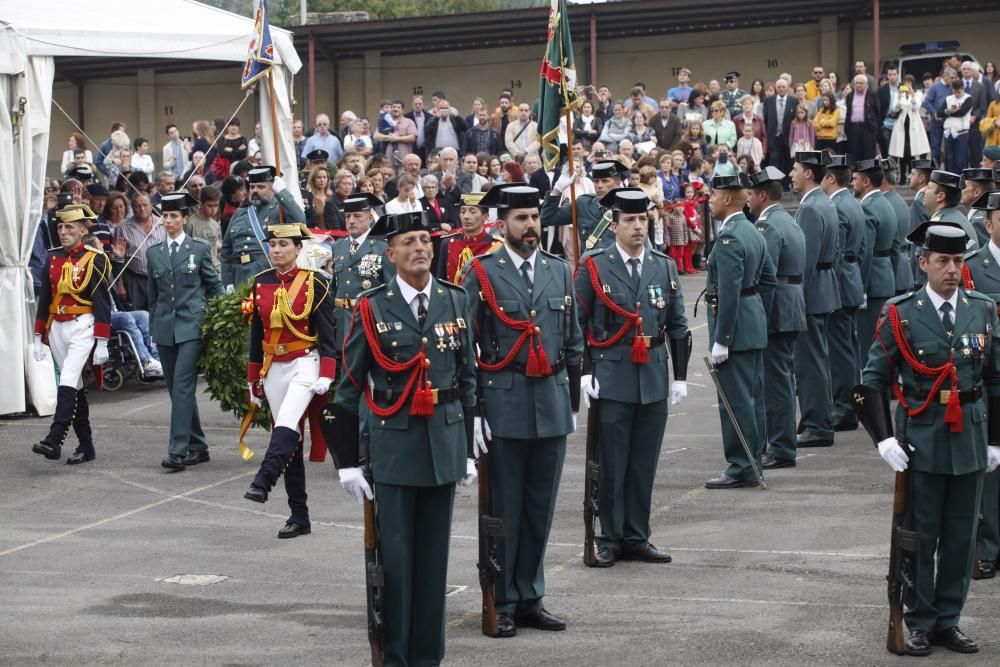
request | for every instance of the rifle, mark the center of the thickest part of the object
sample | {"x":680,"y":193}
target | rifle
{"x":592,"y":480}
{"x":901,"y":546}
{"x":374,"y":578}
{"x":490,"y":528}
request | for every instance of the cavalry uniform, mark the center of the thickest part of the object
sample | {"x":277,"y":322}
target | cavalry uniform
{"x":243,"y":255}
{"x":524,"y":320}
{"x":409,"y":356}
{"x":631,"y":309}
{"x":939,"y":358}
{"x":458,"y":250}
{"x":592,"y":220}
{"x":786,"y":319}
{"x":291,"y":363}
{"x":74,"y":311}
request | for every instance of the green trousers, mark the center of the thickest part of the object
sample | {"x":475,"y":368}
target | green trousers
{"x":844,"y":371}
{"x":812,"y":378}
{"x":631,"y":437}
{"x":180,"y":369}
{"x":525,"y":476}
{"x":988,"y":542}
{"x":414,"y":527}
{"x":865,"y":322}
{"x":943,"y":512}
{"x":779,"y":387}
{"x":742,"y":378}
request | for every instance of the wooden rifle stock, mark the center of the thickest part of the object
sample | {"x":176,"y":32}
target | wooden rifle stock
{"x":490,"y":528}
{"x":592,"y":481}
{"x":374,"y":578}
{"x":903,"y":543}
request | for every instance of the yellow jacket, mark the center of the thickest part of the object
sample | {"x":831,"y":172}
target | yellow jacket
{"x":825,"y":124}
{"x":987,"y":126}
{"x":812,"y":90}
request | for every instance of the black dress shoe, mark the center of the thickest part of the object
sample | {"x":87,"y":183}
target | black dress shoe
{"x":541,"y":620}
{"x":290,"y":529}
{"x":647,"y":553}
{"x":771,"y":463}
{"x":256,"y":494}
{"x":174,"y":462}
{"x":987,"y":570}
{"x":955,"y":640}
{"x":505,"y":626}
{"x":605,"y":557}
{"x":79,"y":457}
{"x":807,"y":440}
{"x":918,"y":642}
{"x":724,"y":481}
{"x":51,"y":452}
{"x":845,"y":425}
{"x":194,"y":458}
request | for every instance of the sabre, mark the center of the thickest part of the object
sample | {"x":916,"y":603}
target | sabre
{"x":712,"y":371}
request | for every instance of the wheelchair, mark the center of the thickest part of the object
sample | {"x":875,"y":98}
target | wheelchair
{"x":123,"y":363}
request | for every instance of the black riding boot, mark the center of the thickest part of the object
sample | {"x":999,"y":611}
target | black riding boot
{"x":81,"y":426}
{"x":280,"y":451}
{"x":51,"y":445}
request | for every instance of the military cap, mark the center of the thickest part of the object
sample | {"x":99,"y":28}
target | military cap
{"x":262,"y":174}
{"x":510,"y":195}
{"x":81,"y":173}
{"x":946,"y":179}
{"x":939,"y":237}
{"x":627,"y":200}
{"x":992,"y":152}
{"x":401,"y":223}
{"x":294,"y":231}
{"x":925,"y":164}
{"x":978,"y":174}
{"x":765,"y":176}
{"x":887,"y":164}
{"x":318,"y":155}
{"x":361,"y":201}
{"x":838,"y":161}
{"x":729,"y":76}
{"x":177,"y":201}
{"x":865,"y":166}
{"x":97,"y":190}
{"x":814,"y":158}
{"x":739,"y":181}
{"x":76,"y":213}
{"x":472,"y":199}
{"x":609,"y":169}
{"x":988,"y":201}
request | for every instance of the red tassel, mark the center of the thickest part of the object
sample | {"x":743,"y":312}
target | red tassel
{"x":532,"y":370}
{"x":953,"y":413}
{"x":423,"y":401}
{"x":640,"y":354}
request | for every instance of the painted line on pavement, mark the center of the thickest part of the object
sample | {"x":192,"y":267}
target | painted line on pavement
{"x":129,"y":413}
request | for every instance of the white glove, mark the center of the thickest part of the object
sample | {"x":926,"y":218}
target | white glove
{"x":481,"y":435}
{"x":563,"y":182}
{"x":864,"y":303}
{"x":589,"y":388}
{"x":353,"y":481}
{"x":719,"y":353}
{"x":253,"y":397}
{"x":278,"y":185}
{"x":678,"y":391}
{"x":230,"y":289}
{"x":574,"y":421}
{"x":992,"y":458}
{"x":38,"y":349}
{"x":470,"y":473}
{"x":101,"y":351}
{"x":893,"y":454}
{"x":321,"y":386}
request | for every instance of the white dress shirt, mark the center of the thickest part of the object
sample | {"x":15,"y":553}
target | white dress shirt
{"x":518,"y":261}
{"x":937,"y":301}
{"x":409,"y":294}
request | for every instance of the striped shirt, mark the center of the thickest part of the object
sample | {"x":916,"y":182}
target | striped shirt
{"x":133,"y":233}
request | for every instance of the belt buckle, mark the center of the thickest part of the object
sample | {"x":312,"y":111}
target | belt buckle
{"x":647,"y":340}
{"x":280,"y":349}
{"x":434,"y":396}
{"x":945,"y":396}
{"x":245,"y":258}
{"x":61,"y":310}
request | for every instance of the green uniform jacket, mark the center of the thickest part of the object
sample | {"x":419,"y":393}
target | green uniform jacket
{"x":978,"y":220}
{"x":240,"y":240}
{"x":588,"y":214}
{"x":818,"y":219}
{"x":413,"y":450}
{"x":852,"y":240}
{"x":786,"y":246}
{"x":367,"y":268}
{"x":904,"y":268}
{"x":955,"y":216}
{"x":985,"y":272}
{"x":178,"y":288}
{"x":918,"y":215}
{"x":938,"y":450}
{"x":661,"y":306}
{"x":880,"y":222}
{"x":517,"y":406}
{"x":737,"y":264}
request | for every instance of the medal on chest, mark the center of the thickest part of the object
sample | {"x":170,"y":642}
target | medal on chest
{"x":656,"y":299}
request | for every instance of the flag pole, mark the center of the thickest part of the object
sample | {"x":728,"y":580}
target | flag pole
{"x":572,"y":186}
{"x":274,"y":135}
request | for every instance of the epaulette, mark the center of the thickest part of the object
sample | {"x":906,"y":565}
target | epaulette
{"x":549,"y":255}
{"x":594,"y":252}
{"x":201,"y":241}
{"x":154,"y":245}
{"x":497,"y":237}
{"x":654,"y":251}
{"x":448,"y":283}
{"x":258,"y":275}
{"x":975,"y":295}
{"x":373,"y":291}
{"x":99,"y":251}
{"x":900,"y":298}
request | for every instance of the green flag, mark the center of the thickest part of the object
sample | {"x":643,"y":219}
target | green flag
{"x":557,"y":83}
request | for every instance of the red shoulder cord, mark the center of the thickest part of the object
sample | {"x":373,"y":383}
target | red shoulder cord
{"x":538,"y":362}
{"x":418,"y":384}
{"x":953,"y":413}
{"x":967,"y":277}
{"x":640,"y":354}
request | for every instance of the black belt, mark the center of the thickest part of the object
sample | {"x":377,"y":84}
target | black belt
{"x":520,"y":369}
{"x":789,"y":280}
{"x":852,"y":259}
{"x":748,"y":291}
{"x":442,"y":395}
{"x":654,"y":341}
{"x":824,"y":266}
{"x":882,"y":253}
{"x":964,"y":396}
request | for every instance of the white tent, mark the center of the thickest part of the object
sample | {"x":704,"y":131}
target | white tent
{"x":32,"y":35}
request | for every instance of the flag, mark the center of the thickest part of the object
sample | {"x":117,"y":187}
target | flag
{"x":557,"y":83}
{"x":260,"y":56}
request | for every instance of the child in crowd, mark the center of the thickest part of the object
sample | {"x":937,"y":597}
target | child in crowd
{"x":750,"y":146}
{"x":692,"y":215}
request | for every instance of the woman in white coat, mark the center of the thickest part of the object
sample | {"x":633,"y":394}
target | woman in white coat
{"x":909,"y":138}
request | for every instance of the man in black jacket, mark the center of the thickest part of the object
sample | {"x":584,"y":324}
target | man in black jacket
{"x":863,"y":120}
{"x":482,"y":138}
{"x":666,"y":126}
{"x":420,"y":118}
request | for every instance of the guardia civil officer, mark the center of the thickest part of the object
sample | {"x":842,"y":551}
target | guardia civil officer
{"x":904,"y":264}
{"x":243,"y":254}
{"x":631,"y":308}
{"x":941,"y":199}
{"x":786,"y":312}
{"x":842,"y":334}
{"x":945,"y":437}
{"x":592,"y":220}
{"x":74,"y":319}
{"x":291,"y":355}
{"x":975,"y":183}
{"x":817,"y":217}
{"x":740,"y":275}
{"x":182,"y":278}
{"x":920,"y":174}
{"x":410,"y":339}
{"x":524,"y":318}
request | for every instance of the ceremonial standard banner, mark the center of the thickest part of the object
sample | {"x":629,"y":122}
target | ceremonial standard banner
{"x":260,"y":58}
{"x":557,"y":83}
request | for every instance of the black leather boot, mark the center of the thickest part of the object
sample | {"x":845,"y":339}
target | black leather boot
{"x":280,"y":451}
{"x":81,"y":426}
{"x":51,"y":445}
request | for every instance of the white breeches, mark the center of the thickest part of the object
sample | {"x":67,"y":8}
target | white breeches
{"x":287,"y":387}
{"x":71,"y":344}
